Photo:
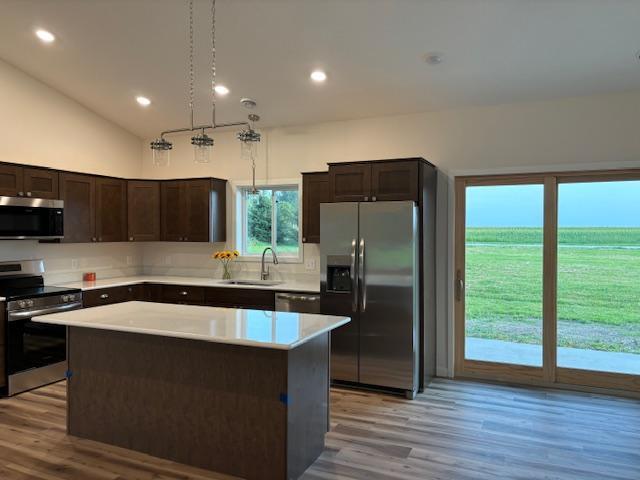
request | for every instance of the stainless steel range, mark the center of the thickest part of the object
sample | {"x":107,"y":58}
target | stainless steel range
{"x":36,"y":353}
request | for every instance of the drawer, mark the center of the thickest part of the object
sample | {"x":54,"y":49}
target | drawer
{"x":240,"y":298}
{"x":105,"y":296}
{"x":151,"y":293}
{"x":182,"y":294}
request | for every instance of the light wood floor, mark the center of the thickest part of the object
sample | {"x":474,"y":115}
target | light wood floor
{"x":456,"y":430}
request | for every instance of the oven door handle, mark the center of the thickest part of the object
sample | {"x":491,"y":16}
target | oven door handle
{"x":12,"y":316}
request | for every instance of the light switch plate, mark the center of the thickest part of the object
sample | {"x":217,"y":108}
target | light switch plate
{"x":310,"y":264}
{"x":129,"y":260}
{"x":74,"y":263}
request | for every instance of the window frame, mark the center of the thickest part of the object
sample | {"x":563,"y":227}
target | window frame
{"x":240,"y":216}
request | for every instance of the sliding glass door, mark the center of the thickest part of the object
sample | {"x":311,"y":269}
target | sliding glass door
{"x":547,"y":278}
{"x":599,"y":276}
{"x":503,"y":265}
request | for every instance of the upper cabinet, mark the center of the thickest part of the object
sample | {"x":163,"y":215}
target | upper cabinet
{"x":111,"y":209}
{"x":79,"y":195}
{"x":143,"y":214}
{"x":315,"y":190}
{"x":375,"y":181}
{"x":350,"y":182}
{"x":95,"y":208}
{"x":19,"y":181}
{"x":193,"y":210}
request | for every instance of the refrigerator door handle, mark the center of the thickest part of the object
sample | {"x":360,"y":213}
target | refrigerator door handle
{"x":354,"y":279}
{"x":361,"y":272}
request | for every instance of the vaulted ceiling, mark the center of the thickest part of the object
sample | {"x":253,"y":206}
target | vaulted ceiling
{"x":493,"y":51}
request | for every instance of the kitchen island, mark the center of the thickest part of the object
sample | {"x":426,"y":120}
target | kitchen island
{"x":242,"y":392}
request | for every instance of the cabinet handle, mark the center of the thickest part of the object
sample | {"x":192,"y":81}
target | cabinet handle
{"x":21,"y":194}
{"x":184,"y":293}
{"x":93,"y":239}
{"x":99,"y":239}
{"x":366,"y":199}
{"x":28,"y":194}
{"x":131,"y":239}
{"x":104,"y":296}
{"x":186,"y":239}
{"x":304,"y":239}
{"x":373,"y":199}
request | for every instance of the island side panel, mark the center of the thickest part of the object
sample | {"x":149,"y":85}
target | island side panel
{"x":308,"y":403}
{"x":210,"y":405}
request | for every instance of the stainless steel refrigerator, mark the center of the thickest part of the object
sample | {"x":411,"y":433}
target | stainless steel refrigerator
{"x":369,"y":271}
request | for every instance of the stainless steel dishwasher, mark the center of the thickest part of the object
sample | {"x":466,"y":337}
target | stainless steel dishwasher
{"x":298,"y":302}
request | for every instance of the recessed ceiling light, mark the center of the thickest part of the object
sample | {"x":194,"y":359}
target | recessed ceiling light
{"x":45,"y":36}
{"x":144,"y":101}
{"x":433,"y":58}
{"x":318,"y":76}
{"x":221,"y":90}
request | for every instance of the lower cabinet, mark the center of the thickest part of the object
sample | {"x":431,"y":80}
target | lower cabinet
{"x":181,"y":294}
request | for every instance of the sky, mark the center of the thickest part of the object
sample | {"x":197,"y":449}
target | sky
{"x":594,"y":204}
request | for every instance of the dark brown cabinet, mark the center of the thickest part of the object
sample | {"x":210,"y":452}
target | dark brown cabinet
{"x":315,"y":190}
{"x":239,"y":298}
{"x":193,"y":210}
{"x":21,"y":181}
{"x":394,"y":180}
{"x":375,"y":181}
{"x":105,"y":296}
{"x":78,"y":193}
{"x":95,"y":208}
{"x":143,"y":210}
{"x":111,"y":209}
{"x":350,"y":182}
{"x":183,"y":294}
{"x":41,"y":183}
{"x":11,"y":180}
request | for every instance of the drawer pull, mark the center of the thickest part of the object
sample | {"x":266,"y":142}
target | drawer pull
{"x":104,"y":296}
{"x":184,"y":293}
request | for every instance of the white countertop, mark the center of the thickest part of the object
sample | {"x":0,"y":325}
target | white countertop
{"x":256,"y":328}
{"x":288,"y":286}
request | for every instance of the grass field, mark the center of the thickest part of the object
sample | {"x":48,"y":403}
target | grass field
{"x":256,"y":248}
{"x":598,"y":280}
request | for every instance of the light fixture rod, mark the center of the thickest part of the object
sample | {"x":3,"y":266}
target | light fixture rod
{"x":204,"y":127}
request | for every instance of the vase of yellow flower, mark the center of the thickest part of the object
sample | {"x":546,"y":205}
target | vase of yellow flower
{"x":226,"y":257}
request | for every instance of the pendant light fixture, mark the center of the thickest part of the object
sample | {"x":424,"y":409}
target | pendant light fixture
{"x":203,"y":143}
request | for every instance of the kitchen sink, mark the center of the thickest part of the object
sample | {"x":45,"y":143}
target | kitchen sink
{"x":263,"y":283}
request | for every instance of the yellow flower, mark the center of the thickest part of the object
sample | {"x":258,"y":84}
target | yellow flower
{"x":236,"y":253}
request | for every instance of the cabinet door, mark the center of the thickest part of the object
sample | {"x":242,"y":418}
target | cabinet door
{"x":111,"y":210}
{"x":172,"y":211}
{"x":395,"y":180}
{"x":198,"y":199}
{"x":11,"y":180}
{"x":218,"y":210}
{"x":41,"y":183}
{"x":78,"y":193}
{"x":143,"y":215}
{"x":315,"y":190}
{"x":105,"y":296}
{"x":350,"y":182}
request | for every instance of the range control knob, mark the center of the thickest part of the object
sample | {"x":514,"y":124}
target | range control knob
{"x":29,"y":303}
{"x":22,"y":303}
{"x":66,"y":298}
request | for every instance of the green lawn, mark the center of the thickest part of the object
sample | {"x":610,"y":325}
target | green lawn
{"x":256,"y":248}
{"x":598,"y":280}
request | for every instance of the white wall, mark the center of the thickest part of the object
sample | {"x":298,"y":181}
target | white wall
{"x":40,"y":126}
{"x":574,"y":133}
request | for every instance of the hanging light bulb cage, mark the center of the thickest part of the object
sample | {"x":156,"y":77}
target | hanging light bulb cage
{"x":161,"y":149}
{"x":248,"y":135}
{"x":202,"y":144}
{"x":202,"y":140}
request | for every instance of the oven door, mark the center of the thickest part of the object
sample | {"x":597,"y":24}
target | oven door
{"x":36,"y":354}
{"x":30,"y":218}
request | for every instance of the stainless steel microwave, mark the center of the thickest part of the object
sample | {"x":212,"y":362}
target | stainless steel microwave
{"x":31,"y":218}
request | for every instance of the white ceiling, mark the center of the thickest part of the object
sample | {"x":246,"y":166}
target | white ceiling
{"x":494,"y":51}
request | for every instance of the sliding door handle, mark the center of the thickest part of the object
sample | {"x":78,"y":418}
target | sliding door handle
{"x":362,"y":273}
{"x":459,"y":286}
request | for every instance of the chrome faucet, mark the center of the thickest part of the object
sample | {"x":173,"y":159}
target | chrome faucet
{"x":264,"y":269}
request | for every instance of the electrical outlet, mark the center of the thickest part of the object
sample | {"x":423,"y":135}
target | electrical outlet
{"x":74,"y":263}
{"x":129,"y":260}
{"x":310,"y":264}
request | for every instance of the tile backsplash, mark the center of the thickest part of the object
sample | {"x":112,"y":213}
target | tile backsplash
{"x":67,"y":262}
